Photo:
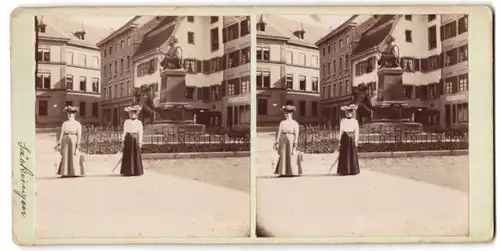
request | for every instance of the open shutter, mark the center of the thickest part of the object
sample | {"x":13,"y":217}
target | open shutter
{"x":416,"y":62}
{"x":199,"y":67}
{"x":441,"y":32}
{"x":222,"y":89}
{"x":440,"y":87}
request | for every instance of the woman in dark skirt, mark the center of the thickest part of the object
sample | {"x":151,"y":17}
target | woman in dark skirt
{"x":132,"y":143}
{"x":348,"y":137}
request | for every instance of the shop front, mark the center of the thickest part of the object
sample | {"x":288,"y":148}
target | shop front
{"x":237,"y":111}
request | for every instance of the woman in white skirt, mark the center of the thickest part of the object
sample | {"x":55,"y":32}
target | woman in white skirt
{"x":287,"y":137}
{"x":72,"y":162}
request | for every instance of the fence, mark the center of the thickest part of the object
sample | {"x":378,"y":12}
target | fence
{"x":107,"y":140}
{"x":322,"y":139}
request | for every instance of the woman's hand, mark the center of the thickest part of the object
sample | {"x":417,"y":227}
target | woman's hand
{"x":275,"y":146}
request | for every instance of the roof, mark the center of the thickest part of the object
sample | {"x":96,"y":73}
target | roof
{"x":153,"y":40}
{"x":371,"y":39}
{"x":63,"y":28}
{"x":285,"y":27}
{"x":337,"y":29}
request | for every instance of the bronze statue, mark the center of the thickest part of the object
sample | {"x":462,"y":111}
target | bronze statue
{"x":363,"y":101}
{"x":143,"y":96}
{"x":390,"y":54}
{"x":172,"y":60}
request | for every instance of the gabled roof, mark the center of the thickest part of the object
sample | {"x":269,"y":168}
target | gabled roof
{"x":154,"y":39}
{"x":337,"y":29}
{"x":373,"y":38}
{"x":59,"y":27}
{"x":285,"y":27}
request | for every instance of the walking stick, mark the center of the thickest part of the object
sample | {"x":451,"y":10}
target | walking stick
{"x":334,"y":163}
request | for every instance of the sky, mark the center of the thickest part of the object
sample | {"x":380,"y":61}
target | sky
{"x":114,"y":22}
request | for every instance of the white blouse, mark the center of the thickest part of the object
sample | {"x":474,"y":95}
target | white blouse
{"x":133,"y":126}
{"x":71,"y":127}
{"x":350,"y":125}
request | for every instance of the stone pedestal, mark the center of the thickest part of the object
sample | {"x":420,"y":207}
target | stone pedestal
{"x":172,"y":108}
{"x":391,"y":111}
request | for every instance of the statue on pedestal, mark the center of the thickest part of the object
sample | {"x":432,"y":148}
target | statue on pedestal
{"x":363,"y":101}
{"x":144,"y":97}
{"x":172,"y":59}
{"x":390,"y":54}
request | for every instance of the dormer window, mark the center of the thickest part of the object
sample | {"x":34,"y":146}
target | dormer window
{"x":80,"y":35}
{"x":261,"y":25}
{"x":300,"y":33}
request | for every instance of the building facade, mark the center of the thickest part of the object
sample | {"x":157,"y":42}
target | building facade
{"x":68,"y":71}
{"x":287,"y":70}
{"x":116,"y":51}
{"x":335,"y":72}
{"x":217,"y":74}
{"x":424,"y":61}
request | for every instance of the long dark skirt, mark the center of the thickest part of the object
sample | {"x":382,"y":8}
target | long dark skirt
{"x":348,"y":155}
{"x":131,"y":159}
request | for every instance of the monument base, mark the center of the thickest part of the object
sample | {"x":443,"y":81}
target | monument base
{"x":389,"y":116}
{"x":172,"y":117}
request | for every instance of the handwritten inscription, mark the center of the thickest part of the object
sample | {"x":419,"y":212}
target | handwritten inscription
{"x":24,"y":156}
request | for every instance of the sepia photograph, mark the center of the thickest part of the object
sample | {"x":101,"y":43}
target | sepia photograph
{"x":142,"y":126}
{"x":363,"y":125}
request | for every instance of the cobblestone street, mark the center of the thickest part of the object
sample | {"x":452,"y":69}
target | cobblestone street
{"x":174,"y":198}
{"x":390,"y":197}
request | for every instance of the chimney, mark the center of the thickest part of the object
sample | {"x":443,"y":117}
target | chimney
{"x":41,"y":26}
{"x":300,"y":33}
{"x":81,"y":34}
{"x":261,"y":25}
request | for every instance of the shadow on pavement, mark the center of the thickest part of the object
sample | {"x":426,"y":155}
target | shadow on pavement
{"x":83,"y":177}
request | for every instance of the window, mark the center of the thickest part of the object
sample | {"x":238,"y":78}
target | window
{"x":69,"y":82}
{"x":289,"y":57}
{"x":190,"y":65}
{"x":43,"y":81}
{"x":329,"y":68}
{"x":190,"y":38}
{"x":231,"y":86}
{"x":314,"y":61}
{"x":122,"y":93}
{"x":340,"y":64}
{"x":324,"y":51}
{"x":408,"y":91}
{"x":262,"y":107}
{"x":346,"y":62}
{"x":302,"y":108}
{"x":463,"y":113}
{"x":128,"y":62}
{"x":448,"y":86}
{"x":263,"y":52}
{"x":314,"y":108}
{"x":432,"y":37}
{"x":95,"y":84}
{"x":105,"y":72}
{"x":263,"y":79}
{"x":122,"y":65}
{"x":408,"y":17}
{"x":129,"y":41}
{"x":448,"y":30}
{"x":408,"y":64}
{"x":463,"y":84}
{"x":433,"y":63}
{"x":334,"y":46}
{"x":244,"y":27}
{"x":302,"y":83}
{"x":43,"y":55}
{"x":83,"y":60}
{"x":116,"y":67}
{"x":289,"y":81}
{"x":462,"y":53}
{"x":190,"y":19}
{"x":347,"y":40}
{"x":83,"y":112}
{"x":462,"y":25}
{"x":83,"y":84}
{"x":104,"y":92}
{"x":214,"y":63}
{"x":115,"y":92}
{"x":334,"y":66}
{"x":95,"y":62}
{"x":43,"y":107}
{"x":302,"y":59}
{"x":451,"y":57}
{"x":190,"y":93}
{"x":314,"y":81}
{"x":340,"y":43}
{"x":105,"y":52}
{"x":347,"y":87}
{"x":95,"y":109}
{"x":127,"y":91}
{"x":245,"y":85}
{"x":122,"y":44}
{"x":431,"y":17}
{"x":116,"y":47}
{"x":69,"y":58}
{"x":233,"y":59}
{"x":110,"y":50}
{"x":233,"y":32}
{"x":324,"y":70}
{"x":245,"y":55}
{"x":329,"y":48}
{"x":408,"y":37}
{"x":214,"y":39}
{"x":328,"y":92}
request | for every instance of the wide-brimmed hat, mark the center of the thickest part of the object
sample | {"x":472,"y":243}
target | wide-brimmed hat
{"x":288,"y":108}
{"x":135,"y":108}
{"x":70,"y":109}
{"x":347,"y":108}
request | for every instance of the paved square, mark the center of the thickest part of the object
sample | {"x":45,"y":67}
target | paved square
{"x":174,"y":198}
{"x":391,"y":197}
